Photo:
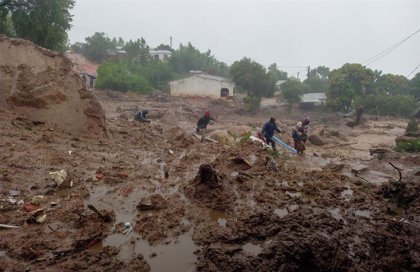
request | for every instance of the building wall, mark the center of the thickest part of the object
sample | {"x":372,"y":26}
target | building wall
{"x":198,"y":86}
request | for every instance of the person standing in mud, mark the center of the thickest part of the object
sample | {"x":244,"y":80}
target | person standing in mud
{"x":359,"y":113}
{"x":202,"y":124}
{"x":300,"y":134}
{"x":268,"y":131}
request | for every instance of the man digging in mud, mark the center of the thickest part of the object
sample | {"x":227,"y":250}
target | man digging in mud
{"x":300,"y":135}
{"x":202,"y":125}
{"x":268,"y":131}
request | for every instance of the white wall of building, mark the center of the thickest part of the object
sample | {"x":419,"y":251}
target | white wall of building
{"x":199,"y":86}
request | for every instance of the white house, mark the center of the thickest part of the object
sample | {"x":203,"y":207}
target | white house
{"x":160,"y":54}
{"x":310,"y":100}
{"x":202,"y":85}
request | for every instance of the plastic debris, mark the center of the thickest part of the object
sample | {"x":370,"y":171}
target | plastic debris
{"x":4,"y":226}
{"x":127,"y":228}
{"x":59,"y":176}
{"x":14,"y":192}
{"x":12,"y":201}
{"x":38,"y":199}
{"x":30,"y":207}
{"x":70,"y":152}
{"x":41,"y":219}
{"x":21,"y":202}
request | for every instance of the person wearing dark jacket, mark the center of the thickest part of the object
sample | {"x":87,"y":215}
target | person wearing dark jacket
{"x":141,"y":116}
{"x":268,"y":132}
{"x":203,"y":123}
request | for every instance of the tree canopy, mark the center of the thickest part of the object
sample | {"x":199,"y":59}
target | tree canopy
{"x":318,"y":79}
{"x":188,"y":58}
{"x":292,"y":89}
{"x":43,"y":22}
{"x":348,"y":82}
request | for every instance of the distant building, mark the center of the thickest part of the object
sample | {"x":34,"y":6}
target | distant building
{"x":88,"y":79}
{"x":116,"y":54}
{"x":310,"y":100}
{"x":161,"y":55}
{"x":202,"y":85}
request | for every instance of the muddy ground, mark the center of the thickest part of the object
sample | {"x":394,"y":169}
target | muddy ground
{"x":231,"y":206}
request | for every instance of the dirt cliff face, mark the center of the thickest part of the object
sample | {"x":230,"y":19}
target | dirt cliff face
{"x":43,"y":85}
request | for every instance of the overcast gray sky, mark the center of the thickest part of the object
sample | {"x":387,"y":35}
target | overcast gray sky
{"x":290,"y":33}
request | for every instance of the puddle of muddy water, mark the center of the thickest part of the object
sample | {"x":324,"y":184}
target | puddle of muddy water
{"x":218,"y":216}
{"x":175,"y":256}
{"x":347,"y":193}
{"x":292,"y":207}
{"x":252,"y":249}
{"x":281,"y":212}
{"x":336,"y":213}
{"x":363,"y":213}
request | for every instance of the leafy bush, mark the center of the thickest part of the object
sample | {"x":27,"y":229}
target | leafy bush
{"x":409,"y":146}
{"x":398,"y":105}
{"x":116,"y":76}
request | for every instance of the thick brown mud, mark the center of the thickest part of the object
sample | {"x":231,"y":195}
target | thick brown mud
{"x":231,"y":206}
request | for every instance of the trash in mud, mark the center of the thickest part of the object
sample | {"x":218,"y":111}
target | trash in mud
{"x":127,"y":228}
{"x":59,"y":176}
{"x":38,"y":199}
{"x":30,"y":207}
{"x":5,"y":226}
{"x":14,"y":193}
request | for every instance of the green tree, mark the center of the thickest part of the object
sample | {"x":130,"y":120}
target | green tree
{"x":117,"y":76}
{"x":252,"y":78}
{"x":43,"y":22}
{"x":347,"y":83}
{"x":188,"y":58}
{"x":275,"y":73}
{"x":392,"y":84}
{"x":138,"y":50}
{"x":292,"y":89}
{"x":415,"y":86}
{"x":318,"y":79}
{"x":96,"y":47}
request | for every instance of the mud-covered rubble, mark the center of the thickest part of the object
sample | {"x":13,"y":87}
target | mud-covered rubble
{"x":208,"y":207}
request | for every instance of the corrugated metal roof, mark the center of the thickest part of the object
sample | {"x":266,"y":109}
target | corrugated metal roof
{"x":313,"y":97}
{"x":166,"y":52}
{"x":218,"y":78}
{"x":206,"y":76}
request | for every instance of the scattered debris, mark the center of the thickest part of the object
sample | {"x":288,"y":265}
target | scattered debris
{"x":59,"y":176}
{"x":4,"y":226}
{"x":38,"y":199}
{"x":102,"y":214}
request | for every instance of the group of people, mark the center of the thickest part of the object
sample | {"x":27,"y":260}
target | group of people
{"x":299,"y":134}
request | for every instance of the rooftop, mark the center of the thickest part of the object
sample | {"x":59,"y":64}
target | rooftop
{"x":313,"y":97}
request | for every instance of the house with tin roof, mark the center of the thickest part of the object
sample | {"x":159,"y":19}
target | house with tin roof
{"x":202,"y":85}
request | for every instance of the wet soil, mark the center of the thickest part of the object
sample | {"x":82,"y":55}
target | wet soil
{"x":197,"y":207}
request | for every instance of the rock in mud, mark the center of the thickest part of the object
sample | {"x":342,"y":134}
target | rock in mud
{"x":154,"y":202}
{"x":315,"y":139}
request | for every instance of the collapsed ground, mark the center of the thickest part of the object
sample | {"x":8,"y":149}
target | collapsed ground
{"x":226,"y":206}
